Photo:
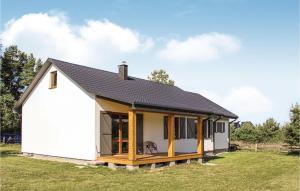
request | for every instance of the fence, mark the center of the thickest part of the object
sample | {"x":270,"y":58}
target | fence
{"x":279,"y":147}
{"x":8,"y":138}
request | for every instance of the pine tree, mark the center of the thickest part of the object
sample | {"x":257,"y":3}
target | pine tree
{"x":38,"y":65}
{"x":292,"y":130}
{"x":269,"y":130}
{"x":28,"y":72}
{"x":12,"y":64}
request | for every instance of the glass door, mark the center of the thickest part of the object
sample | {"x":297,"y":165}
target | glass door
{"x":119,"y":133}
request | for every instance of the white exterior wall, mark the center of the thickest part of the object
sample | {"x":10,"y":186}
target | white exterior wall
{"x":221,"y":139}
{"x":60,"y":121}
{"x":208,"y":144}
{"x":154,"y":131}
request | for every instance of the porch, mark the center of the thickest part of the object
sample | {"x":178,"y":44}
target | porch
{"x":132,"y":155}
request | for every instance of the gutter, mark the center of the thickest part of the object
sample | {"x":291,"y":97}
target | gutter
{"x":229,"y":132}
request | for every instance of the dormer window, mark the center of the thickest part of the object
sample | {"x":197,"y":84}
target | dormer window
{"x":53,"y":79}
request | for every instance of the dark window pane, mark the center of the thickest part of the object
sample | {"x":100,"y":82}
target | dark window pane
{"x":182,"y":128}
{"x":115,"y":126}
{"x":124,"y":127}
{"x":191,"y":128}
{"x":165,"y":127}
{"x":125,"y":147}
{"x":115,"y":147}
{"x":195,"y":126}
{"x":209,"y":129}
{"x":176,"y":128}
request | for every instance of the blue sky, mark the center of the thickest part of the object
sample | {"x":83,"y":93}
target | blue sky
{"x":241,"y":54}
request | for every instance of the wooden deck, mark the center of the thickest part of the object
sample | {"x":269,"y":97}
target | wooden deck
{"x":148,"y":158}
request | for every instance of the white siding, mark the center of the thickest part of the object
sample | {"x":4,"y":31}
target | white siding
{"x":59,"y":122}
{"x":208,"y":145}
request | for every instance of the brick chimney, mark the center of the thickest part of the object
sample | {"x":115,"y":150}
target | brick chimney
{"x":123,"y":71}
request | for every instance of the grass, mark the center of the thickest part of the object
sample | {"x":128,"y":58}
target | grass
{"x":233,"y":171}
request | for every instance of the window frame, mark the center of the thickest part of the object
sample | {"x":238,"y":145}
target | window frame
{"x":192,"y":131}
{"x":53,"y":80}
{"x":221,"y":128}
{"x":208,"y":129}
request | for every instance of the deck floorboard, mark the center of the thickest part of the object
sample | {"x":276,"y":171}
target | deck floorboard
{"x":147,"y":158}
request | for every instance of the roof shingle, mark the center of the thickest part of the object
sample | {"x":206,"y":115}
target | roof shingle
{"x":139,"y":91}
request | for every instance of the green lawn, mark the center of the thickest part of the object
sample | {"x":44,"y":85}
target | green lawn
{"x":233,"y":171}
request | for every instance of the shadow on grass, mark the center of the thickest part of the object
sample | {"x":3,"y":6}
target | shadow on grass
{"x":9,"y":150}
{"x":211,"y":158}
{"x":8,"y":153}
{"x":293,"y":153}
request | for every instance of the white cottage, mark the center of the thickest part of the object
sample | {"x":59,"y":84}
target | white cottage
{"x":77,"y":112}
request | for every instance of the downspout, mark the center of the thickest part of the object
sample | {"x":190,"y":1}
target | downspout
{"x":229,"y":133}
{"x":133,"y":106}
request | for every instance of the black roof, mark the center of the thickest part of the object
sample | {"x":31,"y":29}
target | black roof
{"x":138,"y":92}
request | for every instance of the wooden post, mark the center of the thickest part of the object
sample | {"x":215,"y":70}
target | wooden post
{"x":132,"y":135}
{"x":171,"y":132}
{"x":199,"y":136}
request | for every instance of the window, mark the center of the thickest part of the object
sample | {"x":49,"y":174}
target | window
{"x":53,"y":79}
{"x":180,"y":128}
{"x":208,"y":129}
{"x":184,"y":128}
{"x":220,"y":127}
{"x":191,"y":128}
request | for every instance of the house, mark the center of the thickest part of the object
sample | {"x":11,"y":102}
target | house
{"x":77,"y":112}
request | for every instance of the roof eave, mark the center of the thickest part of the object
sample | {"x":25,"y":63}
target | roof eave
{"x":164,"y":108}
{"x":18,"y":106}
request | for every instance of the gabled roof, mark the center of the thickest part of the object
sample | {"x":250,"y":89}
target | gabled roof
{"x":134,"y":91}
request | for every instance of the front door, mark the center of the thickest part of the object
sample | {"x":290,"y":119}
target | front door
{"x":119,"y":133}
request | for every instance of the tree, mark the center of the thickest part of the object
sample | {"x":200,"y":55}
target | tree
{"x":269,"y":131}
{"x":17,"y":72}
{"x":9,"y":119}
{"x":247,"y":133}
{"x":11,"y":65}
{"x":38,"y":65}
{"x":292,"y":129}
{"x":161,"y":76}
{"x":28,"y":72}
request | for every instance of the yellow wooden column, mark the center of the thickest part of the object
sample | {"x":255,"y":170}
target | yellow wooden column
{"x":171,"y":132}
{"x":132,"y":135}
{"x":199,"y":136}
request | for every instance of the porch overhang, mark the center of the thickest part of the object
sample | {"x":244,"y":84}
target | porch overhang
{"x":168,"y":110}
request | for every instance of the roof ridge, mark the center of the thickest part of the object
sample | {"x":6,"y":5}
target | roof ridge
{"x":113,"y":73}
{"x":81,"y":65}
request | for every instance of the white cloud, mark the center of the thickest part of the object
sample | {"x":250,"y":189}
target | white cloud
{"x":200,"y":48}
{"x":246,"y":101}
{"x":49,"y":35}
